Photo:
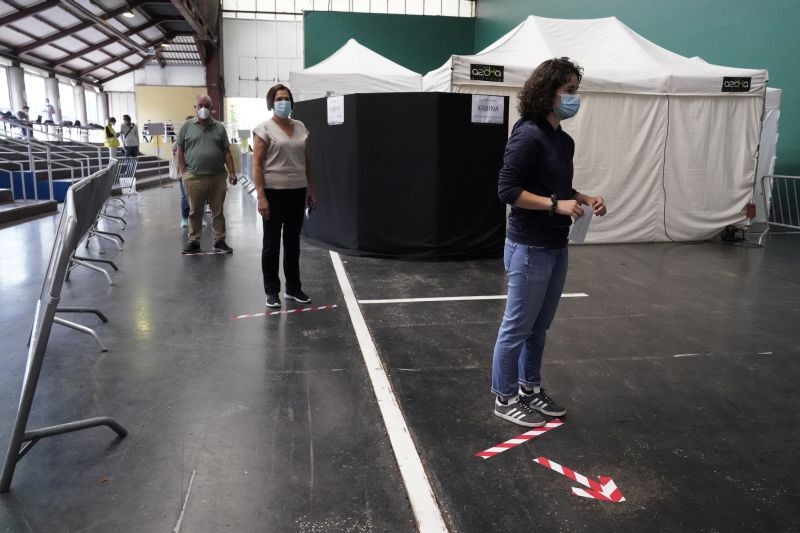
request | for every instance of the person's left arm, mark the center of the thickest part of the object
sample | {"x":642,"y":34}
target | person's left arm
{"x":597,"y":203}
{"x":312,"y":191}
{"x":226,"y":149}
{"x":231,"y":169}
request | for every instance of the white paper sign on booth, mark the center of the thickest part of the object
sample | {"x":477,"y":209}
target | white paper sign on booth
{"x":487,"y":109}
{"x":335,"y":110}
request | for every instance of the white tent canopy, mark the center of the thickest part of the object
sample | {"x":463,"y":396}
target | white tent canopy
{"x":669,"y":141}
{"x":353,"y":68}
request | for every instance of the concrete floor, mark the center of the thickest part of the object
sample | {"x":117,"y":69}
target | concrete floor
{"x":270,"y":423}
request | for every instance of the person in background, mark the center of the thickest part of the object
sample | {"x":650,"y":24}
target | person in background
{"x":284,"y":180}
{"x":49,"y":111}
{"x":536,"y":179}
{"x":130,"y":137}
{"x":112,"y":137}
{"x":24,"y":121}
{"x":203,"y":153}
{"x":174,"y":173}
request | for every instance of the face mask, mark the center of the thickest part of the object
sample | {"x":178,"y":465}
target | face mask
{"x":570,"y":103}
{"x":283,"y":108}
{"x":204,"y":113}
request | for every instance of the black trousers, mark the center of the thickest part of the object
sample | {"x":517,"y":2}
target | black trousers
{"x":132,"y":151}
{"x":286,"y":212}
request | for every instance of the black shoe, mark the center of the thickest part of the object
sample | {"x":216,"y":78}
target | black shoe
{"x":220,"y":246}
{"x":297,"y":296}
{"x":518,"y":412}
{"x":192,"y":248}
{"x":273,"y":300}
{"x":542,"y":403}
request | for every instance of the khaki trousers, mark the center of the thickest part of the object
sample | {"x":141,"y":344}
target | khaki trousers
{"x":202,"y":188}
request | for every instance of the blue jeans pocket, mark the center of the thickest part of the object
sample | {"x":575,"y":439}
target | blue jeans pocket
{"x":508,"y":253}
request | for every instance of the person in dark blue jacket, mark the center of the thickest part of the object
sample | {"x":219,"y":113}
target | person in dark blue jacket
{"x":536,"y":180}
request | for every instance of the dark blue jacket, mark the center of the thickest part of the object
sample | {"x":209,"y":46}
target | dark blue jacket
{"x":538,"y":159}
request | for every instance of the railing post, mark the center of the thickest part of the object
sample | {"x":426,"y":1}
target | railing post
{"x":50,"y":174}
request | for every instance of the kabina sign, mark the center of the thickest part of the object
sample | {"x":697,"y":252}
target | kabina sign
{"x":486,"y":72}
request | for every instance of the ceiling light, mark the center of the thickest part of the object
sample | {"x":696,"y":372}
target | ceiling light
{"x":128,"y":14}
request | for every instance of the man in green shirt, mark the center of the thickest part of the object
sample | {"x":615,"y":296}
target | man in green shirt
{"x":203,"y":154}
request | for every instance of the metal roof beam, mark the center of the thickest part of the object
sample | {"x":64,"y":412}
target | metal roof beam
{"x":102,"y":21}
{"x":195,"y":19}
{"x":28,"y":11}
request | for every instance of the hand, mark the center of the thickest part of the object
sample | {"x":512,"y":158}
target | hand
{"x":597,"y":204}
{"x":263,"y":207}
{"x":312,"y":199}
{"x":233,"y":179}
{"x":571,"y":208}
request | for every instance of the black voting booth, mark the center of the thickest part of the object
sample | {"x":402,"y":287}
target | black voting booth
{"x":406,"y":175}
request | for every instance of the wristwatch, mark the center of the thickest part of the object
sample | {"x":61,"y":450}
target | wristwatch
{"x":553,"y":204}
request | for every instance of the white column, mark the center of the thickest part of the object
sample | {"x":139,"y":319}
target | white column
{"x":16,"y":85}
{"x":80,"y":103}
{"x":52,"y":92}
{"x":102,"y":99}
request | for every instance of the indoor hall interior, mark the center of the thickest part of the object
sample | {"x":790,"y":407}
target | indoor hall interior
{"x":676,"y":361}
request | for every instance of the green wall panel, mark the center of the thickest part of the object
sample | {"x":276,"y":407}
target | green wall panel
{"x":736,"y":33}
{"x":416,"y":42}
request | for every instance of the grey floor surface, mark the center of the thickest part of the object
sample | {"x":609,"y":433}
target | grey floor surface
{"x":679,"y":371}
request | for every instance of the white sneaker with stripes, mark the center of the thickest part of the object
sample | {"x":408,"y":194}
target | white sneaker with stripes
{"x":518,"y":412}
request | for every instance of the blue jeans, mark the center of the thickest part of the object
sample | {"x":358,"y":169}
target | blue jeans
{"x":184,"y":201}
{"x":536,"y":279}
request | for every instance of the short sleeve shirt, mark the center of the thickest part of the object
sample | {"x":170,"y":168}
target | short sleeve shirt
{"x":285,"y":166}
{"x":204,"y":146}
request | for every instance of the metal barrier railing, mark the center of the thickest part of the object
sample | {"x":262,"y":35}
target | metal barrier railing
{"x":782,"y":201}
{"x":30,"y":137}
{"x":83,"y":203}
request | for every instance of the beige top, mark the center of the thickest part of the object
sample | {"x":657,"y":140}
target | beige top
{"x":285,"y":166}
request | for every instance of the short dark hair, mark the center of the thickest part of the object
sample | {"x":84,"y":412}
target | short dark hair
{"x":536,"y":96}
{"x":273,"y":91}
{"x":112,"y":119}
{"x":126,"y":117}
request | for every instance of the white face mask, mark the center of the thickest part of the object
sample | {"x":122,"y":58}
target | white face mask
{"x":204,"y":113}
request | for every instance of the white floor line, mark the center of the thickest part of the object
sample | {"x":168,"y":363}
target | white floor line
{"x":420,"y":494}
{"x":185,"y":501}
{"x":458,"y":298}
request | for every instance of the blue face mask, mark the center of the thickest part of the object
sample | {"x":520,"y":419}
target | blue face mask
{"x":570,"y":103}
{"x":283,"y":108}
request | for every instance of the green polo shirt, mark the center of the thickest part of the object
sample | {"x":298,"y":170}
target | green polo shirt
{"x":204,"y":146}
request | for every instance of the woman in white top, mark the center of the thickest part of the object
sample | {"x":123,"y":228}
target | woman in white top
{"x":284,"y":183}
{"x":130,"y":137}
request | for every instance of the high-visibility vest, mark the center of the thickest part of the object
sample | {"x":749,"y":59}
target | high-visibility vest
{"x":111,"y":137}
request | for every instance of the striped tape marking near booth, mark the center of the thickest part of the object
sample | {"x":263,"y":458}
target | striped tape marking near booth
{"x":287,"y":312}
{"x":605,"y":490}
{"x":521,"y":439}
{"x":207,"y":253}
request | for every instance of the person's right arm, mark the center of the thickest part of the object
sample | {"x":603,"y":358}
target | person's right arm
{"x":521,"y":151}
{"x":181,"y":154}
{"x":259,"y":158}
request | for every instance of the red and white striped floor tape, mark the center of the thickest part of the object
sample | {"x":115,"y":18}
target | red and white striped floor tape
{"x":605,"y":490}
{"x":287,"y":312}
{"x":208,"y":253}
{"x":521,"y":439}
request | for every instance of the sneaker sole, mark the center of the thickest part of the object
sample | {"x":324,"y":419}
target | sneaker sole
{"x":273,"y":306}
{"x":298,"y":300}
{"x":519,"y":422}
{"x":223,"y":251}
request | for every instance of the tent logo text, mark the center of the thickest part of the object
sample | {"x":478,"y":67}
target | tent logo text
{"x":735,"y":85}
{"x":486,"y":72}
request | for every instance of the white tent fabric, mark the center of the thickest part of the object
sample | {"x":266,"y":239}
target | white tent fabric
{"x":673,"y":155}
{"x":767,"y":150}
{"x":353,"y":68}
